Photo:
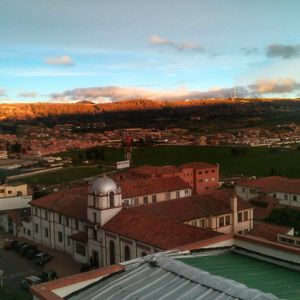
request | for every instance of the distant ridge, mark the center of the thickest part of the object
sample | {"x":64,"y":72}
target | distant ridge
{"x":24,"y":111}
{"x":85,"y":102}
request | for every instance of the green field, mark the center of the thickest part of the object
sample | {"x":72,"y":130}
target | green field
{"x":63,"y":176}
{"x":258,"y":161}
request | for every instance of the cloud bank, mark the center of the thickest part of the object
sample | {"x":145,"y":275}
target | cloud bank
{"x":262,"y":87}
{"x":63,"y":60}
{"x":156,"y":40}
{"x":283,"y":51}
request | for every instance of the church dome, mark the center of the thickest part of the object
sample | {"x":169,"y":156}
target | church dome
{"x":103,"y":186}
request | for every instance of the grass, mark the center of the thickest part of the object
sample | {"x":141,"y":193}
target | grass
{"x":63,"y":176}
{"x":257,"y":161}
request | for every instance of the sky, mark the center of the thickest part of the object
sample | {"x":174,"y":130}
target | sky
{"x":105,"y":51}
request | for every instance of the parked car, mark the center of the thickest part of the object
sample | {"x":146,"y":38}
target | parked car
{"x":48,"y":275}
{"x":29,"y":281}
{"x":25,"y":248}
{"x":42,"y":258}
{"x":32,"y":253}
{"x":18,"y":245}
{"x":9,"y":243}
{"x":21,"y":247}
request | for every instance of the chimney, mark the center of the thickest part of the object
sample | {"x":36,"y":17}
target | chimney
{"x":233,"y":206}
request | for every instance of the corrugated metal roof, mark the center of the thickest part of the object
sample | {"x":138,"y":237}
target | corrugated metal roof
{"x":161,"y":277}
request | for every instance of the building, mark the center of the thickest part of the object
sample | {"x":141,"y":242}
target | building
{"x":201,"y":176}
{"x":14,"y":206}
{"x":170,"y":276}
{"x":286,"y":190}
{"x":96,"y":225}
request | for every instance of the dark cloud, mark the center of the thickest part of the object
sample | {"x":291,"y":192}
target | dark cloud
{"x":28,"y":95}
{"x":250,"y":50}
{"x":156,"y":40}
{"x":274,"y":86}
{"x":283,"y":51}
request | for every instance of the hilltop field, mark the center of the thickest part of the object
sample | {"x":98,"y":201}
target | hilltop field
{"x":258,"y":161}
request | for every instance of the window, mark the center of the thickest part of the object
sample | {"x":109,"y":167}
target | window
{"x":240,"y":217}
{"x":177,"y":194}
{"x":186,"y":192}
{"x":95,"y":234}
{"x":294,"y":198}
{"x":60,"y":236}
{"x":154,"y":198}
{"x":80,"y":249}
{"x":24,"y":230}
{"x":213,"y":171}
{"x":206,"y":172}
{"x":28,"y":232}
{"x":19,"y":193}
{"x":246,"y":217}
{"x":221,"y":221}
{"x":200,"y":172}
{"x":36,"y":228}
{"x":126,"y":253}
{"x":227,"y":220}
{"x":35,"y":211}
{"x":46,"y":215}
{"x":95,"y":217}
{"x":274,"y":195}
{"x":136,"y":201}
{"x":67,"y":221}
{"x":202,"y":223}
{"x":9,"y":192}
{"x":285,"y":196}
{"x":46,"y":232}
{"x":126,"y":202}
{"x":112,"y":257}
{"x":111,"y":199}
{"x":144,"y":253}
{"x":145,"y":200}
{"x":69,"y":240}
{"x":76,"y":224}
{"x":60,"y":218}
{"x":2,"y":191}
{"x":243,"y":190}
{"x":252,"y":191}
{"x":168,"y":195}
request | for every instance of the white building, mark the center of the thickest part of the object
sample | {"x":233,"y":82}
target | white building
{"x":285,"y":189}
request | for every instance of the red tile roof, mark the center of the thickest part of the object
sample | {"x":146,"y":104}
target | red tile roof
{"x":155,"y":170}
{"x":183,"y":209}
{"x":154,"y":230}
{"x":218,"y":202}
{"x":71,"y":202}
{"x":195,"y":207}
{"x":198,"y":165}
{"x":269,"y":231}
{"x":272,"y":184}
{"x":149,"y":186}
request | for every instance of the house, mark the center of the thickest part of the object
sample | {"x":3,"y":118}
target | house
{"x":201,"y":176}
{"x":285,"y":189}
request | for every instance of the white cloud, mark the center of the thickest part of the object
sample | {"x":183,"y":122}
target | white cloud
{"x":63,"y":60}
{"x":156,"y":40}
{"x":2,"y":92}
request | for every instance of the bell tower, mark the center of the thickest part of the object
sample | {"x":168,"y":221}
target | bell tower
{"x":104,"y":201}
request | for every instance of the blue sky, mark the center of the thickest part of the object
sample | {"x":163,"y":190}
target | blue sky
{"x":69,"y":50}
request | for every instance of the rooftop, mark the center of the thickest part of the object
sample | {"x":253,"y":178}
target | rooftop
{"x":154,"y":230}
{"x":148,"y":186}
{"x":254,"y":273}
{"x":71,"y":202}
{"x":272,"y":184}
{"x":161,"y":277}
